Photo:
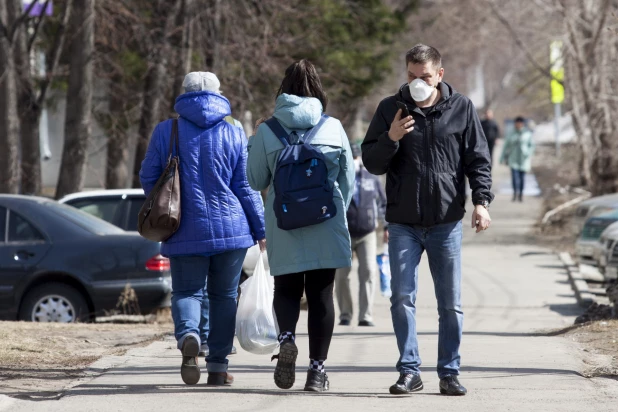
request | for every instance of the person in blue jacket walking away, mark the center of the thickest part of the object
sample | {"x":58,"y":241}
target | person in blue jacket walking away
{"x":221,"y":218}
{"x":304,"y":258}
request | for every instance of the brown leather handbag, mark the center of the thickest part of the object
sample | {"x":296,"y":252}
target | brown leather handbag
{"x":159,"y":217}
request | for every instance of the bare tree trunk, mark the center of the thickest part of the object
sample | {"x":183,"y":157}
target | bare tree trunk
{"x":186,"y":47}
{"x":78,"y":126}
{"x":117,"y":172}
{"x":9,"y":120}
{"x":153,"y":90}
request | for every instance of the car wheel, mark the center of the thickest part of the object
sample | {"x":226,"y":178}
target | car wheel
{"x":54,"y":302}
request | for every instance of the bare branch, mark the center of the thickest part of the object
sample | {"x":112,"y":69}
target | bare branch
{"x":37,"y":26}
{"x":56,"y":51}
{"x":597,"y":35}
{"x":520,"y":43}
{"x":20,"y":20}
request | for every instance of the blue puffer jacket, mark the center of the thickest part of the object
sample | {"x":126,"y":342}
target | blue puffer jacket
{"x":219,"y":211}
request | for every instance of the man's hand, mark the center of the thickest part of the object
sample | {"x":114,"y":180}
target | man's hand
{"x":385,"y":235}
{"x":262,"y":244}
{"x":400,"y":127}
{"x":480,"y":218}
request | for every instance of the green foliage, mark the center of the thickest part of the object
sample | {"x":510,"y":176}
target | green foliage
{"x":352,"y":42}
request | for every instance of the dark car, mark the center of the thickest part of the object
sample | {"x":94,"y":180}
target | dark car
{"x":59,"y":264}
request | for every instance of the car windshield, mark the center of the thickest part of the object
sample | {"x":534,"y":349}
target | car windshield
{"x":84,"y":220}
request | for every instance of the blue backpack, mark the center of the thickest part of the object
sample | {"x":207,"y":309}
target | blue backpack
{"x":303,"y":194}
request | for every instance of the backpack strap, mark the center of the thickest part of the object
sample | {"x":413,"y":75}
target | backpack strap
{"x":278,"y":130}
{"x":312,"y":132}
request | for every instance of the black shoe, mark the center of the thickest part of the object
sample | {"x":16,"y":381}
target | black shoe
{"x":366,"y":323}
{"x":190,"y":370}
{"x":449,"y":385}
{"x":317,"y":381}
{"x":344,"y":322}
{"x":285,"y":371}
{"x":407,"y":383}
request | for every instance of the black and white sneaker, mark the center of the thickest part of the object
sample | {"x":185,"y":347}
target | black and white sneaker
{"x":449,"y":385}
{"x":285,"y":371}
{"x":406,"y":384}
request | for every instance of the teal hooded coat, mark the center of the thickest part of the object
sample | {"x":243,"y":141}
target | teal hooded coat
{"x":518,"y":150}
{"x":322,"y":246}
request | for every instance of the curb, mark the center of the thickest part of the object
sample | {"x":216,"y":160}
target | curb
{"x":579,"y":285}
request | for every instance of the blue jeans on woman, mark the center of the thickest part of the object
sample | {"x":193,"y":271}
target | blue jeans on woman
{"x":518,"y":177}
{"x":443,"y":246}
{"x":189,"y":278}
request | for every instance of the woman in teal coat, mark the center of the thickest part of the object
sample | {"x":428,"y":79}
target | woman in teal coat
{"x":304,"y":259}
{"x":517,"y":154}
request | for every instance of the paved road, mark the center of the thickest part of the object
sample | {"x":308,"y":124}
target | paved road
{"x":512,"y":289}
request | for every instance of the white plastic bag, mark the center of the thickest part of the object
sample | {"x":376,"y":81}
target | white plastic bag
{"x":256,"y":328}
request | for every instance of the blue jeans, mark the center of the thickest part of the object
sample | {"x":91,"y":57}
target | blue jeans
{"x":443,"y":246}
{"x":204,"y":320}
{"x":518,"y":177}
{"x":189,"y":275}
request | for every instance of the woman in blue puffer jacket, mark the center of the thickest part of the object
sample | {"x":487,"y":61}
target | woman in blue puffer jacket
{"x":221,"y":218}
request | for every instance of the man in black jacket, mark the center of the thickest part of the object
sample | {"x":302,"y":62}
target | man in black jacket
{"x":426,"y":156}
{"x":490,"y":128}
{"x":365,"y":211}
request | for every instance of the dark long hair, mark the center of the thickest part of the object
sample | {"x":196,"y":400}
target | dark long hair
{"x":301,"y":79}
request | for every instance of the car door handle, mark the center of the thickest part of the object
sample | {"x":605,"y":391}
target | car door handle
{"x":23,"y":255}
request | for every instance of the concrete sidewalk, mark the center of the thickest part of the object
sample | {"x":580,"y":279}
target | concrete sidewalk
{"x":511,"y":289}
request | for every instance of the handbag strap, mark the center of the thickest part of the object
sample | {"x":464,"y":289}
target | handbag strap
{"x":174,"y":139}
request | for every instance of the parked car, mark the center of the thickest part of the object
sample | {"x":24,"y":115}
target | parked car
{"x":591,"y":233}
{"x":593,"y":207}
{"x":602,"y":247}
{"x":611,"y":267}
{"x":58,"y":264}
{"x":120,"y":207}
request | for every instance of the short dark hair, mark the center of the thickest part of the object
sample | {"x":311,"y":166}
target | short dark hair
{"x":302,"y":79}
{"x":421,"y":54}
{"x":520,"y":119}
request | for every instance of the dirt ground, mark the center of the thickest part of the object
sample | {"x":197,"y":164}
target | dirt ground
{"x":598,"y":338}
{"x":40,"y":360}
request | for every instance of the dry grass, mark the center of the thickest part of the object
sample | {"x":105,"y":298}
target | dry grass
{"x":70,"y":346}
{"x":599,"y":338}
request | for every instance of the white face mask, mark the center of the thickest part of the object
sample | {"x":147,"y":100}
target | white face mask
{"x":420,"y":90}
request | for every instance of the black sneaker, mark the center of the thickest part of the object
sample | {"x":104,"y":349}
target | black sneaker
{"x":285,"y":371}
{"x":366,"y":323}
{"x":449,"y":385}
{"x":190,"y":370}
{"x":407,"y":383}
{"x":316,"y":381}
{"x":344,"y":322}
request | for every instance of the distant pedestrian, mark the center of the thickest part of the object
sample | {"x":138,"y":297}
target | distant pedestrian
{"x":425,"y":157}
{"x":491,"y":130}
{"x":304,"y":258}
{"x":365,"y":211}
{"x":517,"y":154}
{"x":221,"y":218}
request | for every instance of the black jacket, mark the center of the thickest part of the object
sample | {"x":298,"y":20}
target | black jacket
{"x":367,"y":206}
{"x":490,"y":128}
{"x":425,"y":183}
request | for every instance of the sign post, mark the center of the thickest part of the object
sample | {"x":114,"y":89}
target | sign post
{"x":557,"y":87}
